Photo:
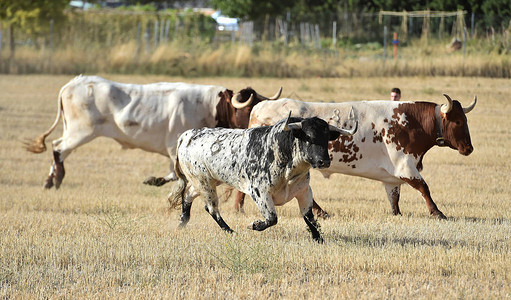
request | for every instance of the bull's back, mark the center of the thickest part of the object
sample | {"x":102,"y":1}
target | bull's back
{"x":212,"y":153}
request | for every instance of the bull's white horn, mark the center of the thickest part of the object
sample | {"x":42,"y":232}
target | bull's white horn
{"x":239,"y":105}
{"x":446,"y":108}
{"x":295,"y":125}
{"x":344,"y":131}
{"x":274,"y":97}
{"x":277,"y":95}
{"x":286,"y":125}
{"x":466,"y":110}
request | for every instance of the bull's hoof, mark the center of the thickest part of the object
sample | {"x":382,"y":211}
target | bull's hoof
{"x":322,"y":214}
{"x":228,"y":230}
{"x":239,"y":210}
{"x":438,"y":215}
{"x":155,"y":181}
{"x":48,"y":184}
{"x":258,"y":225}
{"x":319,"y":240}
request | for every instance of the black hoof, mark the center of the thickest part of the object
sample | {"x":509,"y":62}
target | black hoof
{"x":155,"y":181}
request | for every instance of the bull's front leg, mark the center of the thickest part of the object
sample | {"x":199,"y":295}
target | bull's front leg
{"x":420,"y":185}
{"x":305,"y":201}
{"x":265,"y":205}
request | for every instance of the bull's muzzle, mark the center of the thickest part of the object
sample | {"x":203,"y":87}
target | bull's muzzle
{"x":321,"y":164}
{"x":467,"y":150}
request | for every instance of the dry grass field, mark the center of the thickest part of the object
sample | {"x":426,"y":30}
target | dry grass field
{"x":104,"y":234}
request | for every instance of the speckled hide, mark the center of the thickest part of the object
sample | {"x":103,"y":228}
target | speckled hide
{"x":271,"y":164}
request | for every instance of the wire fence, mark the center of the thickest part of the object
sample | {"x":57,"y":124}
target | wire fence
{"x":150,"y":29}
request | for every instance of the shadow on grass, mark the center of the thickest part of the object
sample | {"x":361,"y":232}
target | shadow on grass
{"x":373,"y":241}
{"x":491,"y":221}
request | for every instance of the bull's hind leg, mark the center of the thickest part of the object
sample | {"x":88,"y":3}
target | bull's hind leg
{"x":393,"y":193}
{"x":62,"y":147}
{"x":186,"y":205}
{"x":267,"y":208}
{"x":159,"y":181}
{"x":305,"y":203}
{"x":211,"y":199}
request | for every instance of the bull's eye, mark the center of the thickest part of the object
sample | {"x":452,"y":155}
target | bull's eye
{"x":458,"y":123}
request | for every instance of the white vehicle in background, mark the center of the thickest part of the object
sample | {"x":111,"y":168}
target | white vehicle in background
{"x":225,"y":23}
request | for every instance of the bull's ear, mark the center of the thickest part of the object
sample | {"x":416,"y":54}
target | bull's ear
{"x":334,"y":135}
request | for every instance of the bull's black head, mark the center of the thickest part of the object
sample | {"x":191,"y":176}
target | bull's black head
{"x":456,"y":133}
{"x":313,"y":135}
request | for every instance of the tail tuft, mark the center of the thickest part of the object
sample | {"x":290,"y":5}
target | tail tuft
{"x":35,"y":146}
{"x":177,"y":194}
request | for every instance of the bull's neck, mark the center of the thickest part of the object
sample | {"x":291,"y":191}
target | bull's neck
{"x":225,"y":114}
{"x":422,"y":124}
{"x":289,"y":153}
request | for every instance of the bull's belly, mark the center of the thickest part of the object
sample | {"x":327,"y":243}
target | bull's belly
{"x":133,"y":138}
{"x":375,"y":173}
{"x":145,"y":144}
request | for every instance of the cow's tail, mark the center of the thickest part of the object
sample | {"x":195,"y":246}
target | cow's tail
{"x":37,"y":145}
{"x":177,"y":194}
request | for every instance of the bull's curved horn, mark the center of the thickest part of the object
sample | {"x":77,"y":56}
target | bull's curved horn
{"x":277,"y":95}
{"x":239,"y":105}
{"x":466,"y":110}
{"x":286,"y":125}
{"x":344,"y":131}
{"x":274,"y":97}
{"x":446,"y":108}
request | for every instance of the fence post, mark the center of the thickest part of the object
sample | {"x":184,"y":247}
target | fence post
{"x":51,"y":45}
{"x":146,"y":38}
{"x":334,"y":34}
{"x":11,"y":42}
{"x":162,"y":28}
{"x":317,"y":38}
{"x":464,"y":42}
{"x":155,"y":34}
{"x":384,"y":43}
{"x":167,"y":29}
{"x":139,"y":31}
{"x":176,"y":27}
{"x":472,"y":26}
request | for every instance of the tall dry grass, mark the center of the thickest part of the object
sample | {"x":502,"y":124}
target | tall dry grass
{"x":106,"y":235}
{"x":196,"y":57}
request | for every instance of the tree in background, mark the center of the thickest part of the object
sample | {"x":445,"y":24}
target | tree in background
{"x":31,"y":17}
{"x":253,"y":10}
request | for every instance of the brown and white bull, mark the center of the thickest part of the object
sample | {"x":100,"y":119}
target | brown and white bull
{"x":392,"y":139}
{"x":150,"y":117}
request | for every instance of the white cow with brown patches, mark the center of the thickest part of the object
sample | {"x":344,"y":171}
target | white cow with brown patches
{"x":392,"y":138}
{"x":150,"y":117}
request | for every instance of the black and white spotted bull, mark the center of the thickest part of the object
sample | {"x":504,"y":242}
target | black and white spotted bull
{"x":271,"y":164}
{"x":150,"y":117}
{"x":392,"y":139}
